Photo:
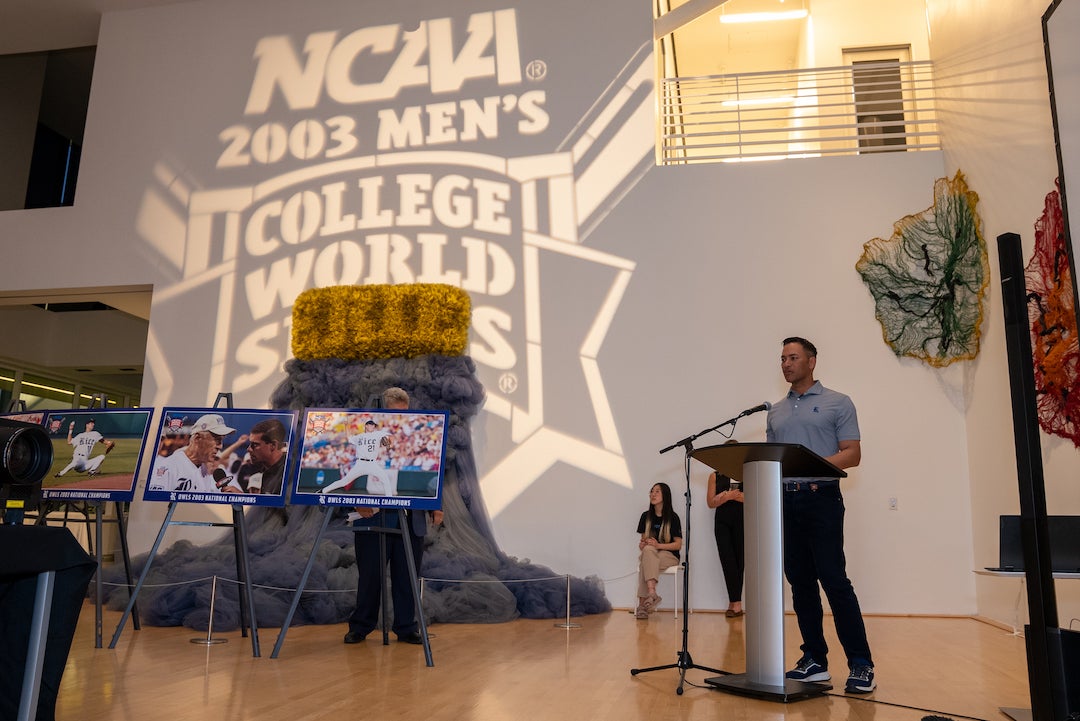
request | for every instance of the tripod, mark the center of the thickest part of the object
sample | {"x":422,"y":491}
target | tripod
{"x":684,"y":662}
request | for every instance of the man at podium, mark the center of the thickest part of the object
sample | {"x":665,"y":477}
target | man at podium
{"x":824,"y":421}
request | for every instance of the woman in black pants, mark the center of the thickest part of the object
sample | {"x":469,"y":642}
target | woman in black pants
{"x":726,"y":496}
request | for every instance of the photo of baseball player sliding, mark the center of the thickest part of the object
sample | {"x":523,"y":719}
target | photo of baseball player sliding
{"x":96,"y":452}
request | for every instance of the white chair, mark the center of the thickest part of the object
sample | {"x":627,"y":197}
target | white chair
{"x":673,"y":571}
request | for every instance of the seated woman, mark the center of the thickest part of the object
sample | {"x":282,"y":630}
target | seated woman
{"x":661,"y":540}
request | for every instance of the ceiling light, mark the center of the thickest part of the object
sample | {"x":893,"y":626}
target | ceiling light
{"x":728,"y":18}
{"x":774,"y":100}
{"x":758,"y":159}
{"x":765,"y":158}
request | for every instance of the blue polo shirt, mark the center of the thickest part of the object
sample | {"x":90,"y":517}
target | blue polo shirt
{"x":819,"y":419}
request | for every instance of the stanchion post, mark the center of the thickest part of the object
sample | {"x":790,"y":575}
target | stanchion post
{"x":210,"y":640}
{"x":567,"y":623}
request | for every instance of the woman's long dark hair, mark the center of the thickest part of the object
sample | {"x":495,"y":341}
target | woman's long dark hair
{"x":666,"y":514}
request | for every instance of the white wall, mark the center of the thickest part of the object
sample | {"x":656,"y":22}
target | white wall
{"x":996,"y":127}
{"x":676,"y":283}
{"x":841,"y":24}
{"x":698,"y":338}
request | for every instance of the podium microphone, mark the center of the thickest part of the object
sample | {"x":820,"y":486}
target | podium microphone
{"x":750,"y":411}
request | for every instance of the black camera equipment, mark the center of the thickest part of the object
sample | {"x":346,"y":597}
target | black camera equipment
{"x":26,"y":454}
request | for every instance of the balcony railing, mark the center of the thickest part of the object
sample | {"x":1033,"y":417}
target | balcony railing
{"x":869,"y":107}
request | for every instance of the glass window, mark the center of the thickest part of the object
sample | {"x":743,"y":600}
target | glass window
{"x":48,"y":93}
{"x":88,"y":393}
{"x":42,"y":393}
{"x":7,"y":386}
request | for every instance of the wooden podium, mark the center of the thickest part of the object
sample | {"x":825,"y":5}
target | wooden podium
{"x":762,"y":467}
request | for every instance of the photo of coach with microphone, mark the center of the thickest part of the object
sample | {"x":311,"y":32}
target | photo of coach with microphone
{"x":207,"y":470}
{"x":192,"y":468}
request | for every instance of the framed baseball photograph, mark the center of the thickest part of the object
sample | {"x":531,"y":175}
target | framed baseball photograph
{"x":379,"y":458}
{"x":96,"y":453}
{"x":221,"y":455}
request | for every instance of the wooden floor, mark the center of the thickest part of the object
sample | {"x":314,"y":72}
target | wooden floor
{"x":526,"y":669}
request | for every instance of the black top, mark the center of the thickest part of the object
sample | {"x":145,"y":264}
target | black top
{"x":653,"y":522}
{"x":730,"y":511}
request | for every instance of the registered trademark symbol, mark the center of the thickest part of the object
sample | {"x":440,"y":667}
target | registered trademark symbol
{"x":508,"y":383}
{"x":536,"y":70}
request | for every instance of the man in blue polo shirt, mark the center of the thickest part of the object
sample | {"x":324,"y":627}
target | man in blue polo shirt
{"x":824,"y":421}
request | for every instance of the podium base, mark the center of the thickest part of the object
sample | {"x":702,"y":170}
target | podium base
{"x":741,"y":685}
{"x":1017,"y":714}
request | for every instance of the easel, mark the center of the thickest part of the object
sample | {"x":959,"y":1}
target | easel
{"x":121,"y":527}
{"x":97,"y":549}
{"x":97,"y":400}
{"x":383,"y":530}
{"x":247,"y":615}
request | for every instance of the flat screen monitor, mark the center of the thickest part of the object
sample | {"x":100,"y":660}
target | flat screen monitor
{"x":1064,"y":544}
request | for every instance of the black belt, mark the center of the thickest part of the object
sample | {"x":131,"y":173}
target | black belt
{"x":796,"y":486}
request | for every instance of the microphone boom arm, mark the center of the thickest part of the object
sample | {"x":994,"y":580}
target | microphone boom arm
{"x":689,"y":440}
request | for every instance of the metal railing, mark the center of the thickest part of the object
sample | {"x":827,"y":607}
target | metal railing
{"x":868,"y":107}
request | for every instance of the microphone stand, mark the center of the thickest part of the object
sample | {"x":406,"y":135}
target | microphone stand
{"x":684,"y":662}
{"x":688,"y":442}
